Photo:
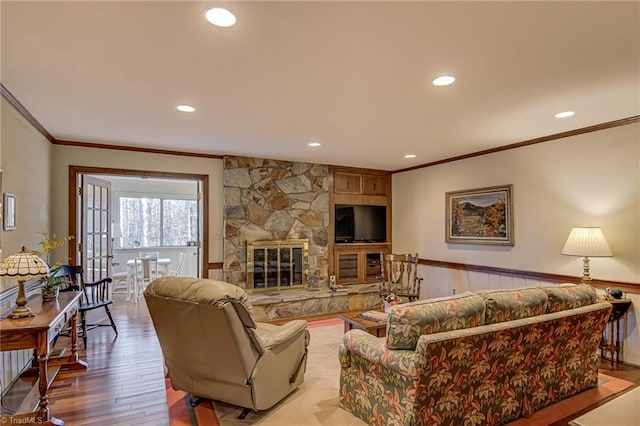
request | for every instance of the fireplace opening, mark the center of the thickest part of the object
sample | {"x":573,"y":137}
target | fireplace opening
{"x":277,"y":264}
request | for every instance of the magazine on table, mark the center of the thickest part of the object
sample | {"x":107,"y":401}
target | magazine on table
{"x":375,"y":316}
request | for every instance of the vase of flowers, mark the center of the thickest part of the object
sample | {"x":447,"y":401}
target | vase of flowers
{"x":51,"y":283}
{"x":390,"y":300}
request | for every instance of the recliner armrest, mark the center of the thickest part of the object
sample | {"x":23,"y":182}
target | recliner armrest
{"x":273,"y":335}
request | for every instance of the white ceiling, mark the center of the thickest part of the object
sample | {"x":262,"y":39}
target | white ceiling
{"x":354,"y":75}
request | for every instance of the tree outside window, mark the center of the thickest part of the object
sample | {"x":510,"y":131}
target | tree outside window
{"x":156,"y":222}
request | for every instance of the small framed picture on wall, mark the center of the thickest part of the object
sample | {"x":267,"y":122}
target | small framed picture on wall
{"x":9,"y":211}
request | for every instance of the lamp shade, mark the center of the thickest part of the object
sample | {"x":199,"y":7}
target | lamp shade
{"x":23,"y":265}
{"x":588,"y":242}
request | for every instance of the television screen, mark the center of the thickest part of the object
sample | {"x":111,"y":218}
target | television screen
{"x":359,"y":223}
{"x":344,"y":225}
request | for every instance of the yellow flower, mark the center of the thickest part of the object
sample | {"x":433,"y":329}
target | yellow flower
{"x":50,"y":243}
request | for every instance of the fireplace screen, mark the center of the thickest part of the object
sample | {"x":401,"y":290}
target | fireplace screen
{"x":277,"y":264}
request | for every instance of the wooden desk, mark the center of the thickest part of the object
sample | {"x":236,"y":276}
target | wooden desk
{"x":37,"y":333}
{"x":614,"y":342}
{"x":351,"y":321}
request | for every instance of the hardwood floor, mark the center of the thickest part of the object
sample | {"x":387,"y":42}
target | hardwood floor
{"x":124,"y":384}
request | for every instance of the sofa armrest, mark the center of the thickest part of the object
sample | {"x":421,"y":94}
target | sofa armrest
{"x":374,"y":350}
{"x":273,"y":335}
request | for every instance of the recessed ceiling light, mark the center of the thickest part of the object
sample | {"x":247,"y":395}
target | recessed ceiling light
{"x":444,"y":80}
{"x":409,"y":156}
{"x":220,"y":17}
{"x":314,"y":144}
{"x":185,"y":108}
{"x":564,"y":114}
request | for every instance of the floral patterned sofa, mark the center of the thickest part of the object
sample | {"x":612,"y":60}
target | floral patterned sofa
{"x":476,"y":358}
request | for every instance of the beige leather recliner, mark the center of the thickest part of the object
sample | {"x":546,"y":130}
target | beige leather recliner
{"x":214,"y":349}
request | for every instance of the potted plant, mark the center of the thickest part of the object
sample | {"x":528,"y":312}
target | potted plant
{"x":51,"y":283}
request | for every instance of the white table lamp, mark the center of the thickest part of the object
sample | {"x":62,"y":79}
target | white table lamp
{"x":587,"y":242}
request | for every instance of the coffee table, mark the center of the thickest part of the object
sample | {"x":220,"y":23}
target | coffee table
{"x":351,"y":321}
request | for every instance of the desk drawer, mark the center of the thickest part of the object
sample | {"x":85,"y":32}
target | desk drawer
{"x":60,"y":325}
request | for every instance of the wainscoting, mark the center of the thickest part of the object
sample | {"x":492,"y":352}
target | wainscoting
{"x":443,"y":281}
{"x":445,"y":278}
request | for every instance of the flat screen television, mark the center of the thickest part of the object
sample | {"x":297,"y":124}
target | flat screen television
{"x":356,"y":223}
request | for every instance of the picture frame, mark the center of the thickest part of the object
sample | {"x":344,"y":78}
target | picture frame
{"x":9,"y":211}
{"x":480,"y":216}
{"x":1,"y":210}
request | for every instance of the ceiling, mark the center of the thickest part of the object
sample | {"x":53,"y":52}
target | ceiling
{"x":355,"y":76}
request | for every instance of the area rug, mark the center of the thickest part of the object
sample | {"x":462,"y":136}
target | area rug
{"x":316,"y":401}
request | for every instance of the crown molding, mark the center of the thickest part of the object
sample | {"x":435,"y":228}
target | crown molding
{"x":134,"y":149}
{"x":15,"y":103}
{"x":548,"y":138}
{"x":8,"y":96}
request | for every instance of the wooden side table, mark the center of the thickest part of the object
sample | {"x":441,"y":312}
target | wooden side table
{"x":37,"y":332}
{"x":612,"y":343}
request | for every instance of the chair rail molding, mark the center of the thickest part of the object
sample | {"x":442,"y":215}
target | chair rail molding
{"x":529,"y":275}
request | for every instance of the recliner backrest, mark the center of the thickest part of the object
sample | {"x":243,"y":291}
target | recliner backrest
{"x":205,"y":329}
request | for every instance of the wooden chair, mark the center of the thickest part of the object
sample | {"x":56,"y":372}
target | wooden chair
{"x":178,"y":271}
{"x":67,"y":278}
{"x":95,"y":295}
{"x":399,"y":276}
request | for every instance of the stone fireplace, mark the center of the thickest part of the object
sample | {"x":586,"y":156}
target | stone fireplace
{"x":269,"y":204}
{"x":272,"y":200}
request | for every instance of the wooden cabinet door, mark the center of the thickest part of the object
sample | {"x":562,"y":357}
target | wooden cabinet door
{"x":358,"y":265}
{"x":348,"y":267}
{"x":348,"y":183}
{"x":375,"y":185}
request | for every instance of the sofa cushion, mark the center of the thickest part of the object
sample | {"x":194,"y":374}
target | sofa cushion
{"x":569,"y":296}
{"x":507,"y":305}
{"x":409,"y":321}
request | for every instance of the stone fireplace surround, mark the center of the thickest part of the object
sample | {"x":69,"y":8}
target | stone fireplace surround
{"x":278,"y":200}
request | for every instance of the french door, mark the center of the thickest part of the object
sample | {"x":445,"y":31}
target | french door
{"x":96,"y":240}
{"x":90,"y":215}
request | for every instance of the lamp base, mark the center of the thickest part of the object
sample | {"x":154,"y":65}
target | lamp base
{"x":21,"y":312}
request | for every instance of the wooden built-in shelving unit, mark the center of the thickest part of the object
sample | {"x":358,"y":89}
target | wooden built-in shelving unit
{"x":356,"y":263}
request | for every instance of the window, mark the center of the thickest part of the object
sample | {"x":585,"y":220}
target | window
{"x":157,"y":222}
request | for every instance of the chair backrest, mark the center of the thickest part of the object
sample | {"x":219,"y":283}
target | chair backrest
{"x":93,"y":293}
{"x":206,"y":331}
{"x":399,"y":275}
{"x":69,"y":277}
{"x":146,"y":268}
{"x":180,"y":265}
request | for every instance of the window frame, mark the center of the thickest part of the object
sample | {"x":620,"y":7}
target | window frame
{"x":161,"y":197}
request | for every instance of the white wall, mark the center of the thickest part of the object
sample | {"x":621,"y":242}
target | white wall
{"x":586,"y":180}
{"x":25,"y":162}
{"x":25,"y":157}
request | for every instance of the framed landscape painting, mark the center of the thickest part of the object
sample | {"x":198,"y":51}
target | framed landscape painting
{"x":480,"y":216}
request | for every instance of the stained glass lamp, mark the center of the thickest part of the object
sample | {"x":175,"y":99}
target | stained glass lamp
{"x":22,"y":266}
